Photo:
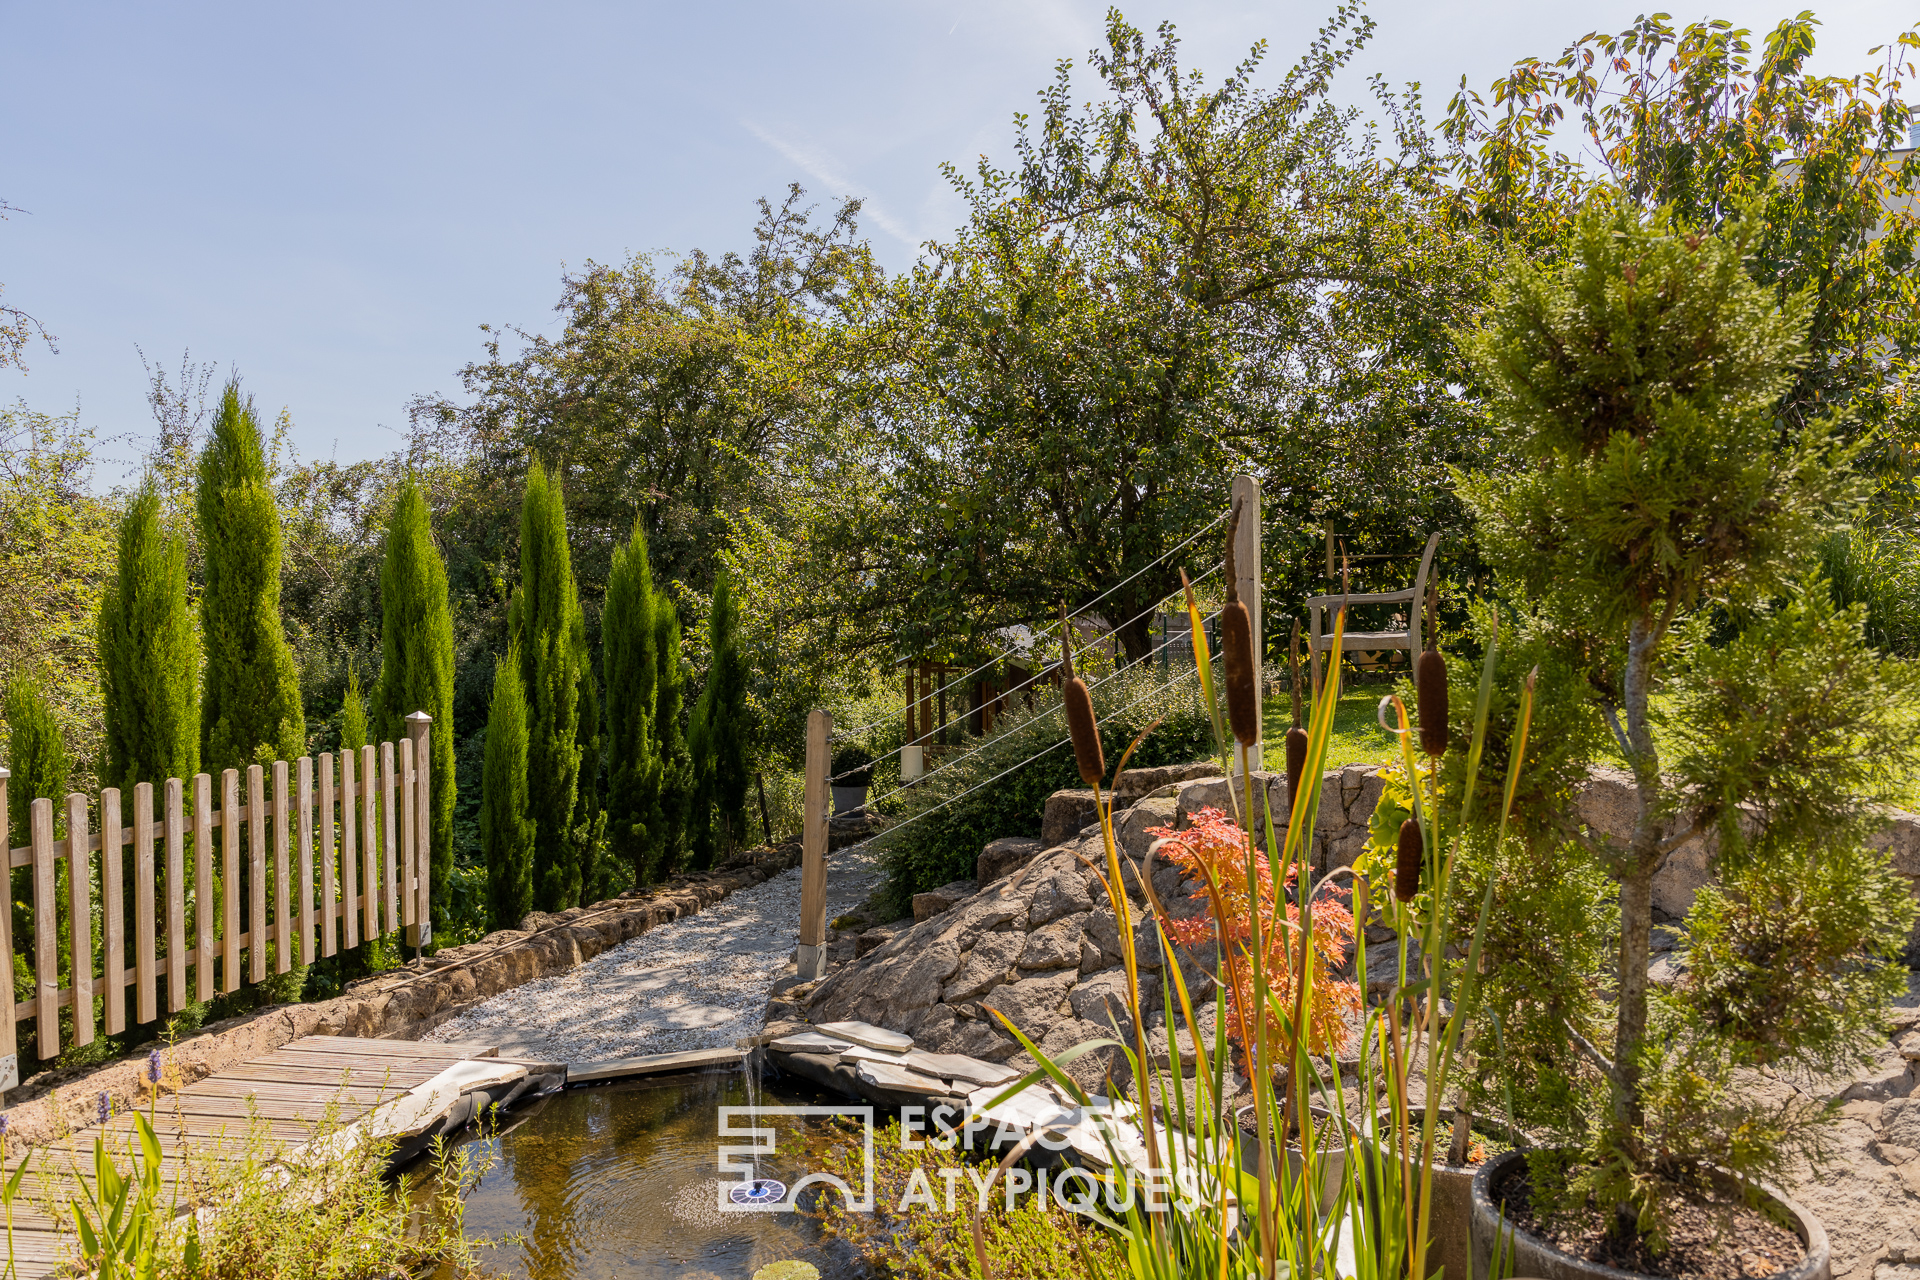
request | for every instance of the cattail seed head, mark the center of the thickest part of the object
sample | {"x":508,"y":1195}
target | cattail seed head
{"x":1086,"y":733}
{"x":1430,"y":696}
{"x":1296,"y":763}
{"x":1242,"y":675}
{"x":1406,"y":869}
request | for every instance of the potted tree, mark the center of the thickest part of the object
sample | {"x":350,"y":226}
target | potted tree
{"x":1654,"y":540}
{"x":851,"y":773}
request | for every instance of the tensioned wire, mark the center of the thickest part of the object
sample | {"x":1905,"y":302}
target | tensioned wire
{"x":844,"y":734}
{"x":931,"y":809}
{"x":1148,"y":656}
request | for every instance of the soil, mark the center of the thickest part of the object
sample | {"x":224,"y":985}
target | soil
{"x":1705,"y":1241}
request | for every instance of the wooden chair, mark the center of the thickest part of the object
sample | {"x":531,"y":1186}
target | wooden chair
{"x":1320,"y":641}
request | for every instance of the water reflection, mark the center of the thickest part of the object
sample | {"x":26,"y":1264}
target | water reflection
{"x":619,"y":1181}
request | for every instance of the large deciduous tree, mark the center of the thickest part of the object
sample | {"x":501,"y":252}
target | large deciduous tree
{"x":416,"y":666}
{"x":250,"y":710}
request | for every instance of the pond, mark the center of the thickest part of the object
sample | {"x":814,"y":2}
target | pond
{"x":621,"y":1181}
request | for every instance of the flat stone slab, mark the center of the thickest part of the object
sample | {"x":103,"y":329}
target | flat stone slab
{"x":654,"y":1064}
{"x":867,"y":1034}
{"x":890,"y":1076}
{"x":860,"y":1053}
{"x":958,"y":1066}
{"x":810,"y":1042}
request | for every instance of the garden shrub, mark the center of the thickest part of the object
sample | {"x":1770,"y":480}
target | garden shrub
{"x":968,"y":802}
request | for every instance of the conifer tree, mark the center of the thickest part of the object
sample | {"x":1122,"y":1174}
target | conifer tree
{"x":588,"y":831}
{"x":37,"y":759}
{"x":545,"y":627}
{"x":250,"y":710}
{"x":676,"y":764}
{"x":635,"y":814}
{"x":416,"y":667}
{"x":353,"y":714}
{"x":506,"y":832}
{"x":700,"y":819}
{"x":149,"y":655}
{"x":727,"y":729}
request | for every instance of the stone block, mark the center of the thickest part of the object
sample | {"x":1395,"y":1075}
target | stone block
{"x":1132,"y":824}
{"x":1004,"y":856}
{"x":987,"y":966}
{"x":1067,"y":812}
{"x":939,"y":901}
{"x":1054,"y":946}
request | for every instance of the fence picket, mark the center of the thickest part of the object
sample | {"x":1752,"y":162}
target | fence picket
{"x":203,"y":895}
{"x":173,"y":821}
{"x":282,"y":898}
{"x":113,"y":914}
{"x":303,"y":881}
{"x":145,"y":885}
{"x":329,"y":909}
{"x":230,"y":880}
{"x":370,"y":846}
{"x":46,"y":930}
{"x":419,"y":727}
{"x":409,"y":900}
{"x":389,"y":847}
{"x":256,"y":874}
{"x":9,"y":1035}
{"x":349,"y":869}
{"x":80,"y":918}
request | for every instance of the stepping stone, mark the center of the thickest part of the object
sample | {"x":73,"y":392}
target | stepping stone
{"x":889,"y":1076}
{"x":869,"y":1035}
{"x":810,"y":1042}
{"x":958,"y":1066}
{"x":860,"y":1053}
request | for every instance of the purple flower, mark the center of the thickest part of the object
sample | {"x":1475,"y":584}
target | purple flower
{"x":106,"y":1105}
{"x":3,"y":1124}
{"x":153,"y":1067}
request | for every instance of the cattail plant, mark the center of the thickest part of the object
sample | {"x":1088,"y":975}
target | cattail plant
{"x":1297,"y":735}
{"x":1406,"y":867}
{"x":1430,"y":686}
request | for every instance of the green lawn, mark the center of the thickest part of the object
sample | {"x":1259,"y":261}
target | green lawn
{"x":1357,"y":736}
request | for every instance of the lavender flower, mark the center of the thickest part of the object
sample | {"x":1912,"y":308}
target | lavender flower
{"x":106,"y":1106}
{"x":3,"y":1124}
{"x":153,"y":1067}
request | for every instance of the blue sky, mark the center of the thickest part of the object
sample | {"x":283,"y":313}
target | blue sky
{"x":332,"y":198}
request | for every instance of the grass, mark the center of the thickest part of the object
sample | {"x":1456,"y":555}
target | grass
{"x":1357,"y":736}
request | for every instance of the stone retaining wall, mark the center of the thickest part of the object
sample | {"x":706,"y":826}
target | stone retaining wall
{"x":403,"y":1004}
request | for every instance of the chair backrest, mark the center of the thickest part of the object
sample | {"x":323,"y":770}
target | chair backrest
{"x":1420,"y":592}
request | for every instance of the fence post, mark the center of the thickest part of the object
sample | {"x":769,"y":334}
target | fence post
{"x":813,"y":859}
{"x":9,"y":1043}
{"x":80,"y":917}
{"x":419,"y":729}
{"x":912,"y":758}
{"x":46,"y":929}
{"x":1246,"y":562}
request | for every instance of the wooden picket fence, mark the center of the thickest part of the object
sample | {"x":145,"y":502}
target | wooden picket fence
{"x":373,"y":863}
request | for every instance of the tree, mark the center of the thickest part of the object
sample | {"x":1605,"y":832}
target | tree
{"x":635,"y":812}
{"x":1636,"y":385}
{"x":250,"y":710}
{"x":725,"y":733}
{"x":588,"y":830}
{"x":506,"y":832}
{"x":416,"y":667}
{"x":677,"y":781}
{"x":353,"y":713}
{"x":37,"y":760}
{"x":1688,"y":120}
{"x":545,"y":627}
{"x":149,"y":655}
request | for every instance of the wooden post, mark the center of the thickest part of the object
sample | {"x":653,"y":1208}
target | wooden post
{"x":409,"y":899}
{"x":329,"y":908}
{"x":282,"y":875}
{"x":256,"y":874}
{"x":46,"y":929}
{"x":349,"y":867}
{"x":390,"y":844}
{"x":230,"y":880}
{"x":113,"y":915}
{"x":203,"y":896}
{"x":80,"y":918}
{"x":304,"y":877}
{"x":420,"y":730}
{"x":146,"y":884}
{"x":369,"y":844}
{"x":912,"y":758}
{"x":175,"y":823}
{"x":813,"y":858}
{"x":9,"y":1042}
{"x":1246,"y":563}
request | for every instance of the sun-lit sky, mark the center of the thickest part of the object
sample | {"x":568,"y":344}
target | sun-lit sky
{"x":332,"y":198}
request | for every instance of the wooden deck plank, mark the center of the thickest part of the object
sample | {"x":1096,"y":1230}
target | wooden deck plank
{"x":361,"y":1047}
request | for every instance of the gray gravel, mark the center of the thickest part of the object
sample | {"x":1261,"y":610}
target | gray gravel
{"x":700,"y":982}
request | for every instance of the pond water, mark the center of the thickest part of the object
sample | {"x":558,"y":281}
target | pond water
{"x":621,"y":1181}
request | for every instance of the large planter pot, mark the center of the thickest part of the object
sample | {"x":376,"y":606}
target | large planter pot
{"x":1529,"y":1255}
{"x":1333,"y":1153}
{"x":1450,"y":1224}
{"x":848,"y":800}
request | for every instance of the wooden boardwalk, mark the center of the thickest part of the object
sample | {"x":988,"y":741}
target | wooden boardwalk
{"x":332,"y":1079}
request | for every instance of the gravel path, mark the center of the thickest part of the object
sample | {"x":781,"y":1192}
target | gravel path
{"x":696,"y":983}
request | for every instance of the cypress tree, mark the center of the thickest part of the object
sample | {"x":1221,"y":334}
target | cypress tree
{"x":700,"y":833}
{"x":353,"y":713}
{"x":545,"y":627}
{"x":37,"y":759}
{"x":506,"y":832}
{"x":416,"y":667}
{"x":635,"y":815}
{"x":149,"y":655}
{"x":250,"y":710}
{"x":676,"y":763}
{"x":726,"y":720}
{"x":588,"y":831}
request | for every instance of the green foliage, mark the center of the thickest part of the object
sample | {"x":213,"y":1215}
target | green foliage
{"x":545,"y":627}
{"x":636,"y":817}
{"x":250,"y":710}
{"x":1636,"y":384}
{"x":507,"y":833}
{"x":921,"y":853}
{"x":36,"y":757}
{"x":1879,"y":568}
{"x":720,"y":736}
{"x":353,"y":714}
{"x":676,"y":759}
{"x":416,"y":667}
{"x":149,"y":655}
